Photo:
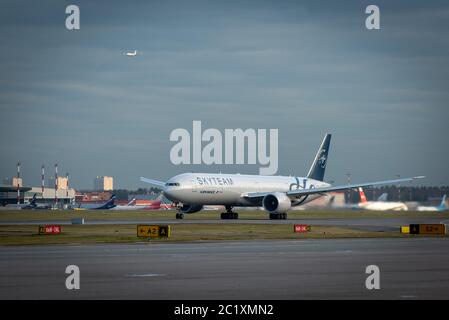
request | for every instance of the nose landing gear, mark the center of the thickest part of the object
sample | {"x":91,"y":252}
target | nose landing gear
{"x":179,"y":215}
{"x":229,"y":214}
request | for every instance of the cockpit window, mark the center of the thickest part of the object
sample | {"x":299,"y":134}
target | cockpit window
{"x":172,"y":184}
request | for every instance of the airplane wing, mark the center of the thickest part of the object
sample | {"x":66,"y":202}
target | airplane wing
{"x":304,"y":192}
{"x":153,"y":182}
{"x":301,"y":192}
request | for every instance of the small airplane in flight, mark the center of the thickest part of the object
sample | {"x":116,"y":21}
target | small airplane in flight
{"x":131,"y":53}
{"x":276,"y":194}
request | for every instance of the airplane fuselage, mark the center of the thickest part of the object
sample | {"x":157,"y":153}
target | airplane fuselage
{"x":229,"y":189}
{"x":383,"y":206}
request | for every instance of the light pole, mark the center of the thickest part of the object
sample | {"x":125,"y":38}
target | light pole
{"x":67,"y":186}
{"x":56,"y":185}
{"x":18,"y":183}
{"x":349,"y":189}
{"x":43,"y":180}
{"x":399,"y":188}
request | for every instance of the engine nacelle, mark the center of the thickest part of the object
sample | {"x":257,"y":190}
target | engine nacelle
{"x":191,"y":208}
{"x":277,"y":202}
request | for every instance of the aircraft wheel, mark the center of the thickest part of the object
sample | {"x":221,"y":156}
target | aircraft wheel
{"x":181,"y":216}
{"x":235,"y":215}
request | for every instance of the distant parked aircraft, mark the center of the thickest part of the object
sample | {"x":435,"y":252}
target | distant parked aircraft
{"x":154,"y":205}
{"x":158,"y":204}
{"x":381,"y":204}
{"x":98,"y":206}
{"x":32,"y":204}
{"x":347,"y":206}
{"x":441,"y":207}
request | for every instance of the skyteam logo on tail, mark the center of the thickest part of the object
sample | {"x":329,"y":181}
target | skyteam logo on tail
{"x":318,"y":167}
{"x":322,"y":159}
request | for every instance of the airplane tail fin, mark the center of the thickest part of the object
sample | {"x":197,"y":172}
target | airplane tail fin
{"x":331,"y":201}
{"x":132,"y":202}
{"x":443,"y":203}
{"x":33,"y":200}
{"x":318,"y":167}
{"x":362,"y":196}
{"x":383,"y":197}
{"x":110,"y":203}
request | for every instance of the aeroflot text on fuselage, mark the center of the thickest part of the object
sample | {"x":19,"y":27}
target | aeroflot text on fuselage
{"x":212,"y":153}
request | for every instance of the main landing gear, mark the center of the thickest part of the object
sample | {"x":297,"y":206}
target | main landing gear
{"x":179,"y":214}
{"x":229,"y":214}
{"x":281,"y":216}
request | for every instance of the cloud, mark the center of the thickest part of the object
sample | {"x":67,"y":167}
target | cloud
{"x":306,"y":69}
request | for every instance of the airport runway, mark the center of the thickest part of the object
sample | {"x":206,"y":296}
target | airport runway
{"x":369,"y":224}
{"x":283,"y":269}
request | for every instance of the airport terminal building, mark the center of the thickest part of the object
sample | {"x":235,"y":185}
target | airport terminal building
{"x":8,"y":195}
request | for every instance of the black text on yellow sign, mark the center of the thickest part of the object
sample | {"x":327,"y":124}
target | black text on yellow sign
{"x":153,"y":231}
{"x":428,"y":229}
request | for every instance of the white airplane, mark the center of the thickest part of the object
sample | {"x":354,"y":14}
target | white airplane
{"x":130,"y":206}
{"x":381,"y":204}
{"x":32,"y":204}
{"x":131,"y":54}
{"x":276,"y":194}
{"x":155,"y":204}
{"x":441,"y":207}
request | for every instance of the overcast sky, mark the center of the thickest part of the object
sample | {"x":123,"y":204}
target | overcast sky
{"x":307,"y":68}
